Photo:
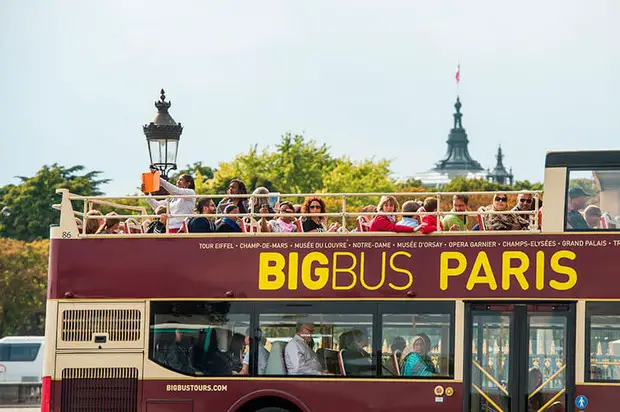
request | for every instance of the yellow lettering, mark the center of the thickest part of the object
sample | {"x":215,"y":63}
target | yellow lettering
{"x":382,"y":273}
{"x":350,"y":270}
{"x":540,"y":270}
{"x":321,"y":273}
{"x":293,"y":270}
{"x":482,"y":262}
{"x":271,"y":271}
{"x":400,"y":270}
{"x":518,"y":272}
{"x":570,"y":273}
{"x":445,"y":271}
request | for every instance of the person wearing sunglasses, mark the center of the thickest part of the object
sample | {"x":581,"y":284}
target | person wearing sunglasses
{"x":525,"y":203}
{"x":285,"y":222}
{"x":315,"y":205}
{"x":493,"y":221}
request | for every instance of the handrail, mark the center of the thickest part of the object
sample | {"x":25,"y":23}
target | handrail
{"x":487,"y":397}
{"x":491,"y":378}
{"x":255,"y":217}
{"x":553,"y":399}
{"x":549,"y":379}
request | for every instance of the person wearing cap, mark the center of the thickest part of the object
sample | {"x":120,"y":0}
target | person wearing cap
{"x":576,"y":202}
{"x":593,"y":215}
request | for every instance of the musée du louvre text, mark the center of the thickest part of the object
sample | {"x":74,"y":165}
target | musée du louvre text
{"x":396,"y":270}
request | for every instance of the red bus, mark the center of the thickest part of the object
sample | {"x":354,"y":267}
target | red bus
{"x":451,"y":321}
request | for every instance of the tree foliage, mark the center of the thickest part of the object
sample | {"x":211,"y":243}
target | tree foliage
{"x":31,"y":201}
{"x":23,"y":281}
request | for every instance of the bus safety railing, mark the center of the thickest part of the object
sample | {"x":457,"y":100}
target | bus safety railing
{"x":254,"y":218}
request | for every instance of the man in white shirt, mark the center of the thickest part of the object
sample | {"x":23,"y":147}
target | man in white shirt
{"x":299,"y":358}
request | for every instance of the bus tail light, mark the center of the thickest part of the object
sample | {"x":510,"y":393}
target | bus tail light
{"x":46,"y":389}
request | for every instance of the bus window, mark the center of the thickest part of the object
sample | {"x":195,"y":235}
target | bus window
{"x":417,"y":345}
{"x":603,"y":341}
{"x":199,"y":338}
{"x":593,"y":200}
{"x":331,"y":344}
{"x":19,"y":352}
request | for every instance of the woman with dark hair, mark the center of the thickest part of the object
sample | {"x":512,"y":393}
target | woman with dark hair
{"x":316,"y":223}
{"x":110,"y":226}
{"x":178,"y":206}
{"x":235,"y":187}
{"x":237,"y":347}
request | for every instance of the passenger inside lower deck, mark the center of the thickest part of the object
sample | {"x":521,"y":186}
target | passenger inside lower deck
{"x":263,"y":353}
{"x":415,"y":360}
{"x":298,"y":356}
{"x":356,"y":361}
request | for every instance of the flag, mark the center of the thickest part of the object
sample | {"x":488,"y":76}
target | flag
{"x":458,"y":73}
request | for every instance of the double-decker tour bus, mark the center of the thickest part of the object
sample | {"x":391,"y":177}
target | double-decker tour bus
{"x":352,"y":320}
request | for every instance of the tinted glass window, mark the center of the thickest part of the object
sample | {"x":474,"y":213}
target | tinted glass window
{"x":417,"y":344}
{"x":333,"y":344}
{"x":199,"y":338}
{"x":19,"y":352}
{"x":593,"y":200}
{"x":603,"y":332}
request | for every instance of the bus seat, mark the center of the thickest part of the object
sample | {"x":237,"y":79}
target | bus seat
{"x":184,"y":227}
{"x":299,"y":226}
{"x":331,"y":361}
{"x":275,"y":363}
{"x":363,"y":224}
{"x":145,"y":225}
{"x":395,"y":362}
{"x":480,"y":222}
{"x":343,"y":371}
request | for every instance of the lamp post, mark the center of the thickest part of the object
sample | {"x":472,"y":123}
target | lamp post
{"x":162,"y":136}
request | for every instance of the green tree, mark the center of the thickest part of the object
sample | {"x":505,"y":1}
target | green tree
{"x":197,"y":170}
{"x":23,"y":281}
{"x":31,"y":201}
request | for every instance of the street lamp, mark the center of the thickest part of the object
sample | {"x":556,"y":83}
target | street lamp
{"x":162,"y":137}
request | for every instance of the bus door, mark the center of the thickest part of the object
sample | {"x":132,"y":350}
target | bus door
{"x":519,"y":357}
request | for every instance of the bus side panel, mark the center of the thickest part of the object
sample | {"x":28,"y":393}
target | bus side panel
{"x":600,"y":397}
{"x":313,"y":394}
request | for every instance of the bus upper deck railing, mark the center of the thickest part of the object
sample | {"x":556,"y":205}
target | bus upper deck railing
{"x":339,"y":205}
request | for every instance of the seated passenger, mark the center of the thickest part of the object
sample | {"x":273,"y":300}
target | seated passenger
{"x":410,"y":207}
{"x":429,"y":222}
{"x":229,"y":224}
{"x":457,"y":222}
{"x":387,"y":223}
{"x":178,"y":357}
{"x":298,"y":356}
{"x":111,"y":225}
{"x":576,"y":203}
{"x":260,"y":205}
{"x":415,"y":360}
{"x":202,"y":224}
{"x":235,"y":187}
{"x":285,"y":223}
{"x":357,"y":362}
{"x":593,"y":215}
{"x":398,"y":344}
{"x":218,"y":359}
{"x":159,"y":224}
{"x":316,"y":223}
{"x":92,"y":225}
{"x":263,"y":353}
{"x":535,"y":379}
{"x":237,"y":348}
{"x":495,"y":221}
{"x":369,"y":209}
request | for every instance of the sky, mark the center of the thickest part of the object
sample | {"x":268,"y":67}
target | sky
{"x":78,"y":79}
